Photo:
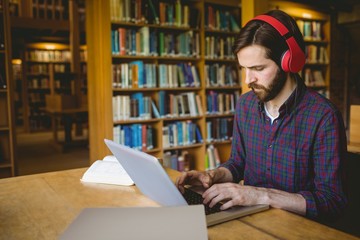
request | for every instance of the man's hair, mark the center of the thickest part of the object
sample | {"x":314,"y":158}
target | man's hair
{"x":257,"y":32}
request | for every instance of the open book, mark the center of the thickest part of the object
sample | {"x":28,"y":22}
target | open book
{"x":107,"y":171}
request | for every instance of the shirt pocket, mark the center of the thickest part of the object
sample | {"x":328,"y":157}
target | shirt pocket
{"x":291,"y":169}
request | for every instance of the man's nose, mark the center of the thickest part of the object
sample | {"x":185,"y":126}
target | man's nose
{"x":249,"y":76}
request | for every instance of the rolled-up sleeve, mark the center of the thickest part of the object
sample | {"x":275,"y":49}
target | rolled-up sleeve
{"x":327,"y":199}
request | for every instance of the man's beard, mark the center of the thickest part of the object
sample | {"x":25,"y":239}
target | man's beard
{"x":268,"y":93}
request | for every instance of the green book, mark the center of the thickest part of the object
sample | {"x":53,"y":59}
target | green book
{"x":154,"y":13}
{"x":234,"y":25}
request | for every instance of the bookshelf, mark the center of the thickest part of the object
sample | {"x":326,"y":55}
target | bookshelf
{"x":46,"y":72}
{"x":47,"y":79}
{"x":184,"y":49}
{"x":52,"y":58}
{"x":7,"y":132}
{"x":315,"y":26}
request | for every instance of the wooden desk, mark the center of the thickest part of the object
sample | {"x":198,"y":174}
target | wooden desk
{"x":68,"y":117}
{"x":41,"y":206}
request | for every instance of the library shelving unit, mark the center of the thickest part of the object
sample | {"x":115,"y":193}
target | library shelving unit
{"x":315,"y":27}
{"x":170,"y":73}
{"x":46,"y":72}
{"x":7,"y":134}
{"x":222,"y":76}
{"x":52,"y":58}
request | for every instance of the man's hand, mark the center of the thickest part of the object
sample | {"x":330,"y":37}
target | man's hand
{"x":195,"y":178}
{"x":234,"y":194}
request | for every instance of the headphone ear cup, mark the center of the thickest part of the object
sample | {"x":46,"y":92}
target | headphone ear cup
{"x":285,"y":61}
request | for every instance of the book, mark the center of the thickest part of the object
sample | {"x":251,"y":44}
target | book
{"x":107,"y":171}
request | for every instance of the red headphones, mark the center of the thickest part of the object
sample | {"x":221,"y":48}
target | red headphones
{"x":293,"y":59}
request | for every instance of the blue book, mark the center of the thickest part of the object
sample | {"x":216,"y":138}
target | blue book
{"x":116,"y":39}
{"x":190,"y":75}
{"x":198,"y":135}
{"x":192,"y":127}
{"x":209,"y":104}
{"x":113,"y":42}
{"x":179,"y":126}
{"x":162,"y":103}
{"x":133,"y":135}
{"x":133,"y":42}
{"x":155,"y":110}
{"x":139,"y":137}
{"x":128,"y":136}
{"x":174,"y":160}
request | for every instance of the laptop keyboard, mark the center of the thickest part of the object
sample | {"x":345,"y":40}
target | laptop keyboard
{"x":194,"y":198}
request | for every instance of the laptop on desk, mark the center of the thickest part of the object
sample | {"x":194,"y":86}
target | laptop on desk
{"x":152,"y":180}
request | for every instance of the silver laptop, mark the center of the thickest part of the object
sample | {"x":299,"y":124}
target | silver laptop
{"x":138,"y":223}
{"x":152,"y":180}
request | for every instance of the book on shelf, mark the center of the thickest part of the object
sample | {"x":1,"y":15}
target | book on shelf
{"x":313,"y":78}
{"x":178,"y":160}
{"x":179,"y":105}
{"x":135,"y":74}
{"x":234,"y":24}
{"x":139,"y":42}
{"x":132,"y":107}
{"x":218,"y":47}
{"x":178,"y":75}
{"x":154,"y":14}
{"x":137,"y":136}
{"x":107,"y":171}
{"x":212,"y":157}
{"x":181,"y":133}
{"x":219,"y":129}
{"x":222,"y":75}
{"x":222,"y":20}
{"x":221,"y":103}
{"x":311,"y":30}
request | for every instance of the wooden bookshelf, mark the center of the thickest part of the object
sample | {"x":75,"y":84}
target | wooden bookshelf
{"x":7,"y":131}
{"x":199,"y":31}
{"x":46,"y":72}
{"x":56,"y":28}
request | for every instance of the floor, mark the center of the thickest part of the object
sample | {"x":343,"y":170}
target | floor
{"x":36,"y":153}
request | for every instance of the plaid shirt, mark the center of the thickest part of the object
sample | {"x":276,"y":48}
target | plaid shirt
{"x":301,"y":152}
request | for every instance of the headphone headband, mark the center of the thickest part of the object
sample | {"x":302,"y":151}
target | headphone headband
{"x":294,"y":58}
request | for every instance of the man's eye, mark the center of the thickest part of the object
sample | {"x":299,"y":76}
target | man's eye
{"x":259,"y":68}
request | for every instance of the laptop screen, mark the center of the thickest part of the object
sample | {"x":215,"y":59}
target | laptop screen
{"x":148,"y":175}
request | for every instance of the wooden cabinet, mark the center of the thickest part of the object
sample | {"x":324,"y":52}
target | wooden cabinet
{"x":7,"y":134}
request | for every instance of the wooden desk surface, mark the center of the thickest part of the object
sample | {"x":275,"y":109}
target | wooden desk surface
{"x":41,"y":206}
